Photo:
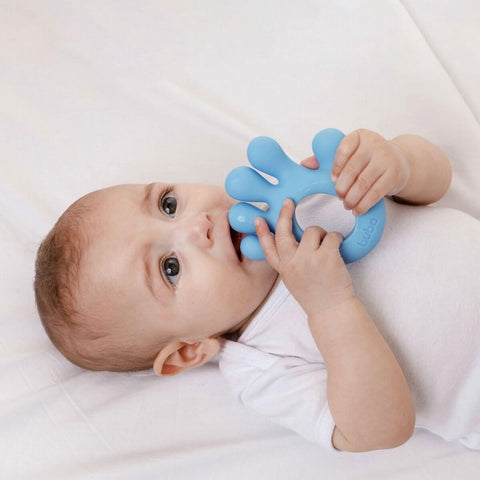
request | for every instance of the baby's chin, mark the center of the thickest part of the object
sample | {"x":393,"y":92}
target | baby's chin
{"x":266,"y":276}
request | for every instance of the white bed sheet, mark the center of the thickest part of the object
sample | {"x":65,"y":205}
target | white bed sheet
{"x":95,"y":93}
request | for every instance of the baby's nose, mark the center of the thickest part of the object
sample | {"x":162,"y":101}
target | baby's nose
{"x":198,"y":230}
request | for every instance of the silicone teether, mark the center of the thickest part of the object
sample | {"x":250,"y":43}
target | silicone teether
{"x":295,"y":182}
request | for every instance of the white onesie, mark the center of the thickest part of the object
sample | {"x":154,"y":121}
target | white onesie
{"x":421,"y":285}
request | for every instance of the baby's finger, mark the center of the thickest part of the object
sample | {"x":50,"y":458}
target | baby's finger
{"x":284,"y":238}
{"x":376,"y":192}
{"x":267,"y":242}
{"x":332,"y":241}
{"x":310,"y":162}
{"x":362,"y":184}
{"x":351,"y":171}
{"x":347,"y":147}
{"x":312,"y":238}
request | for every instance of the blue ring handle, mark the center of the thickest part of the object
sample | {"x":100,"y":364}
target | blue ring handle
{"x":295,"y":182}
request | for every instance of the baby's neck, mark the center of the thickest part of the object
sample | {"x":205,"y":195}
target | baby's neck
{"x":247,"y":321}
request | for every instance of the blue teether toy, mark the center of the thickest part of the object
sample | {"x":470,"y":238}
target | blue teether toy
{"x":295,"y":182}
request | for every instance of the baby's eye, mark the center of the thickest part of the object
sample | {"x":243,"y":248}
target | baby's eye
{"x":169,"y":204}
{"x":171,"y":268}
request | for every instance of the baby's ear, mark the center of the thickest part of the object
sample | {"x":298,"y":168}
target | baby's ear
{"x":176,"y":357}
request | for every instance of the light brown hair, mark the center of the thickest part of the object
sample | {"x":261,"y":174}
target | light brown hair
{"x":74,"y":332}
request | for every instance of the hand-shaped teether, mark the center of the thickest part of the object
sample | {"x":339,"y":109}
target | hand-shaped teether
{"x":295,"y":182}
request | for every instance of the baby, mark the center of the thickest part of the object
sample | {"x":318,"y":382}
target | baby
{"x":133,"y":277}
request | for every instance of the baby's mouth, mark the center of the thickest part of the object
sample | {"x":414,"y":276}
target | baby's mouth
{"x":236,"y":239}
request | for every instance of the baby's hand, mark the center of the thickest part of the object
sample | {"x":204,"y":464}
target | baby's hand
{"x":312,"y":270}
{"x":366,"y":168}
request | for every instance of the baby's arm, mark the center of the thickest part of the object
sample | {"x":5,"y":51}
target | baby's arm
{"x":430,"y":170}
{"x":367,"y":167}
{"x":367,"y":392}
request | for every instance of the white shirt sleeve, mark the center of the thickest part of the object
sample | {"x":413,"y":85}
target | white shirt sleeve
{"x":288,"y":390}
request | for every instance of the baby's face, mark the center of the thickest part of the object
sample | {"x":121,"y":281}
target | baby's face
{"x":161,"y":263}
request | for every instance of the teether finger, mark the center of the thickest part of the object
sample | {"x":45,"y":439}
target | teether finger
{"x":241,"y":217}
{"x":324,"y":145}
{"x":267,"y":155}
{"x":245,"y":184}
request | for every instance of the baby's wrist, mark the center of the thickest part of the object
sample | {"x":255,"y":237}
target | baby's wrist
{"x":404,"y":169}
{"x":334,"y":308}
